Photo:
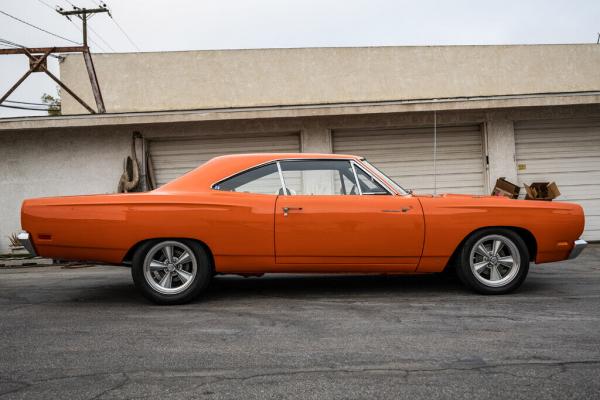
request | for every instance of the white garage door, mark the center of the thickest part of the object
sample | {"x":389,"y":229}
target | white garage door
{"x":568,"y":153}
{"x":407,"y":156}
{"x":172,"y":158}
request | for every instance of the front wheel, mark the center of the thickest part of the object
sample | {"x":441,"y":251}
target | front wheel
{"x":171,"y":271}
{"x":493,"y":261}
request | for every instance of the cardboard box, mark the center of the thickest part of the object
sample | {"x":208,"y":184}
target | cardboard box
{"x":506,"y":189}
{"x":542,"y":191}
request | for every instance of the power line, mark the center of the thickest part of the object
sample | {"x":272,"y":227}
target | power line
{"x":38,"y":28}
{"x":101,"y":38}
{"x":74,"y":24}
{"x":123,"y":31}
{"x":72,"y":5}
{"x":46,"y":4}
{"x":13,"y":44}
{"x":126,"y":35}
{"x":91,"y":40}
{"x":24,"y":108}
{"x":79,"y":29}
{"x":25,"y":102}
{"x":100,"y":5}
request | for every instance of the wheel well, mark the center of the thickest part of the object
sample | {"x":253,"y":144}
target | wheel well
{"x":129,"y":255}
{"x":523,"y":233}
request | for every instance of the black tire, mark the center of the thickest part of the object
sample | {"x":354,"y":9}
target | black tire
{"x":199,"y":282}
{"x":467,"y":274}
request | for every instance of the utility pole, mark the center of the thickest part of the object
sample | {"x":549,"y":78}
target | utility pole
{"x":84,"y":14}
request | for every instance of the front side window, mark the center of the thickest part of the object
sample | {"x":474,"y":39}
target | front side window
{"x":368,"y":184}
{"x":319,"y":177}
{"x":261,"y":180}
{"x":386,"y":178}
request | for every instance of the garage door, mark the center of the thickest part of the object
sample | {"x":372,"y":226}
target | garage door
{"x":407,"y":156}
{"x":567,"y":152}
{"x":172,"y":158}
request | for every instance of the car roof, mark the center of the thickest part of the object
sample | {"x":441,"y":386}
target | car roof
{"x":218,"y":168}
{"x":264,"y":157}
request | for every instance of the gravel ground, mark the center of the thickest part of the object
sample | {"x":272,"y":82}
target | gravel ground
{"x":85,"y":333}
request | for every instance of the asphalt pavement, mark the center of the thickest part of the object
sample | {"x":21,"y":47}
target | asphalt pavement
{"x":86,"y":333}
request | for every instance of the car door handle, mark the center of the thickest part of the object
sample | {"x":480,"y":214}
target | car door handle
{"x":403,"y":209}
{"x":288,"y":209}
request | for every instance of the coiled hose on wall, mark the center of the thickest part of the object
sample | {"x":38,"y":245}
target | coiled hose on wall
{"x":130,"y":178}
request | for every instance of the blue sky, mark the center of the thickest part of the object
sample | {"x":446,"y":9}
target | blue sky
{"x":226,"y":24}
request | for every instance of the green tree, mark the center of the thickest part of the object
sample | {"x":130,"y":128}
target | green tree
{"x":53,"y":104}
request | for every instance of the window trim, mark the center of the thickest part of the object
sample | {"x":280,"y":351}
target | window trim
{"x":373,"y":170}
{"x":375,"y":178}
{"x":281,"y":178}
{"x":353,"y":163}
{"x":356,"y":181}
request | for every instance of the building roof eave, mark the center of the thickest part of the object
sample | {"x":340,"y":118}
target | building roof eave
{"x":302,"y":110}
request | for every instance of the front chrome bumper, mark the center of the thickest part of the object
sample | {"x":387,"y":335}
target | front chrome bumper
{"x":578,"y":247}
{"x":26,"y":242}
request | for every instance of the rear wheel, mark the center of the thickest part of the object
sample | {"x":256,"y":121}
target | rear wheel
{"x":493,"y":261}
{"x":171,"y":271}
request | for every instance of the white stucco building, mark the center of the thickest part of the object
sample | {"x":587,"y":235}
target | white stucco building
{"x":527,"y":113}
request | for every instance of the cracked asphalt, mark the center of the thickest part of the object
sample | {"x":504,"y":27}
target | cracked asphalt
{"x":87,"y":334}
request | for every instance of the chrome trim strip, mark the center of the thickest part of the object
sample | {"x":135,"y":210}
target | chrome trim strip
{"x":285,"y":192}
{"x":356,"y":178}
{"x":578,"y":247}
{"x":26,"y":242}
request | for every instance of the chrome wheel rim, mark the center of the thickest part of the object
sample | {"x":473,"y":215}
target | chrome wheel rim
{"x":495,"y":260}
{"x":170,"y":267}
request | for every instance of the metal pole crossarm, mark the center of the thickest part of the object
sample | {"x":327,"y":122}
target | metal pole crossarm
{"x":42,"y":50}
{"x":80,"y":11}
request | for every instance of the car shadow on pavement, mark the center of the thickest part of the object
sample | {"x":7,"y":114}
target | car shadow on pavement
{"x":343,"y":286}
{"x":225,"y":288}
{"x":306,"y":286}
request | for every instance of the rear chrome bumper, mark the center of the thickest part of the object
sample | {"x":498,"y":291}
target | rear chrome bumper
{"x":26,"y":242}
{"x":578,"y":247}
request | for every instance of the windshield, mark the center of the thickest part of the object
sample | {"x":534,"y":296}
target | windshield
{"x":386,"y":178}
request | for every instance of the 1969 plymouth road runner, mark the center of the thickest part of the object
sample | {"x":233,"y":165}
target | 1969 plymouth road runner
{"x":300,"y":213}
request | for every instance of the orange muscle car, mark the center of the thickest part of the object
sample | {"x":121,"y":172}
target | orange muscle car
{"x":300,"y":213}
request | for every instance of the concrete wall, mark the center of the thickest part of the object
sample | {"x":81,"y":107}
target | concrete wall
{"x":500,"y":140}
{"x":245,"y":78}
{"x":53,"y":163}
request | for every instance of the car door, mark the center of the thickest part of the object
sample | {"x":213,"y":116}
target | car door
{"x":327,"y":219}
